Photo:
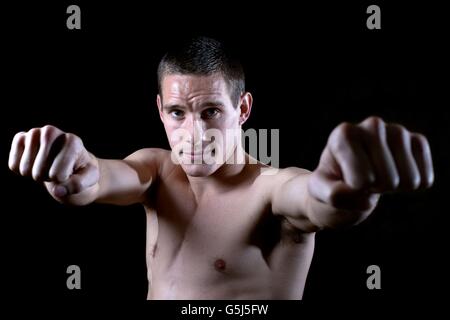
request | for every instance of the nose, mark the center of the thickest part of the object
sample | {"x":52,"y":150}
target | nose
{"x":195,"y":128}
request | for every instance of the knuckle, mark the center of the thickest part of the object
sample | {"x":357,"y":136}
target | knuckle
{"x":411,"y":183}
{"x":392,"y":182}
{"x":416,"y":181}
{"x":24,"y":168}
{"x":47,"y":132}
{"x":420,"y":138}
{"x":347,"y":130}
{"x":73,"y":140}
{"x":398,"y":131}
{"x":52,"y":177}
{"x":343,"y":133}
{"x":428,"y":180}
{"x":343,"y":127}
{"x":18,"y":137}
{"x":374,"y":122}
{"x":57,"y":175}
{"x":32,"y":137}
{"x":369,"y":179}
{"x":376,"y":128}
{"x":33,"y":132}
{"x":37,"y":175}
{"x":12,"y":164}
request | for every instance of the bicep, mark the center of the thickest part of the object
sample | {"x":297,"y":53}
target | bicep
{"x":290,"y":198}
{"x":126,"y":181}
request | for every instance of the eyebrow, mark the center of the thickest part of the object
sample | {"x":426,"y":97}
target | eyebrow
{"x":171,"y":107}
{"x":210,"y":103}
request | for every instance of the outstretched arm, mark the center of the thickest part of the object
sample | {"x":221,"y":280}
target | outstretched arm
{"x":73,"y":175}
{"x":359,"y":163}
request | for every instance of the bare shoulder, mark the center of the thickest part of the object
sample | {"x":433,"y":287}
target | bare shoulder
{"x":149,"y":158}
{"x":272,"y":180}
{"x":285,"y":190}
{"x":148,"y":155}
{"x":272,"y":177}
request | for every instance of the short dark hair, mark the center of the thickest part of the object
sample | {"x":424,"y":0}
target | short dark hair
{"x":204,"y":56}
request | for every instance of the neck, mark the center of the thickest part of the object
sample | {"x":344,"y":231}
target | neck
{"x":227,"y":174}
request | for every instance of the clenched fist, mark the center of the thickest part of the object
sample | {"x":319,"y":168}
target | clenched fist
{"x":364,"y":160}
{"x":58,"y":159}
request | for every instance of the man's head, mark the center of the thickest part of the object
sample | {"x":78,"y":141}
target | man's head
{"x":203,"y":56}
{"x":202,"y":92}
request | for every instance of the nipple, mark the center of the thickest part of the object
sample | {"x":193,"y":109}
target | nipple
{"x":220,"y":265}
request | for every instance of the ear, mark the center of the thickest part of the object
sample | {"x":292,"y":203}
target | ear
{"x":159,"y":104}
{"x":245,"y":107}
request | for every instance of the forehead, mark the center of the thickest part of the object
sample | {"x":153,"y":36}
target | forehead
{"x":179,"y":86}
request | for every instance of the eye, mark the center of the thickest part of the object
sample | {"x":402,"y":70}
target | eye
{"x":177,"y":114}
{"x":210,"y":113}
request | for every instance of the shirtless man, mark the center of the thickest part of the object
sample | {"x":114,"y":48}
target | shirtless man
{"x":227,"y":230}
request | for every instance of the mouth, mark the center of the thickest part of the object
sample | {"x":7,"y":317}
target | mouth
{"x":197,"y":154}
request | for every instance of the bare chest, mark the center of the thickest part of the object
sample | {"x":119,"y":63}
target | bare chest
{"x":224,"y":239}
{"x":224,"y":227}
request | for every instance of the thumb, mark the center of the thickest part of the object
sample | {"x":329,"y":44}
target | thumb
{"x":81,"y":180}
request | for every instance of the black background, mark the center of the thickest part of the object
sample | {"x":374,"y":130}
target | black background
{"x":308,"y":67}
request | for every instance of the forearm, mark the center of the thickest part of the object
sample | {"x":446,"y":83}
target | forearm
{"x":122,"y":182}
{"x":112,"y":184}
{"x":115,"y":184}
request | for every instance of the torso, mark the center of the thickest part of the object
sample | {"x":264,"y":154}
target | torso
{"x":224,"y":246}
